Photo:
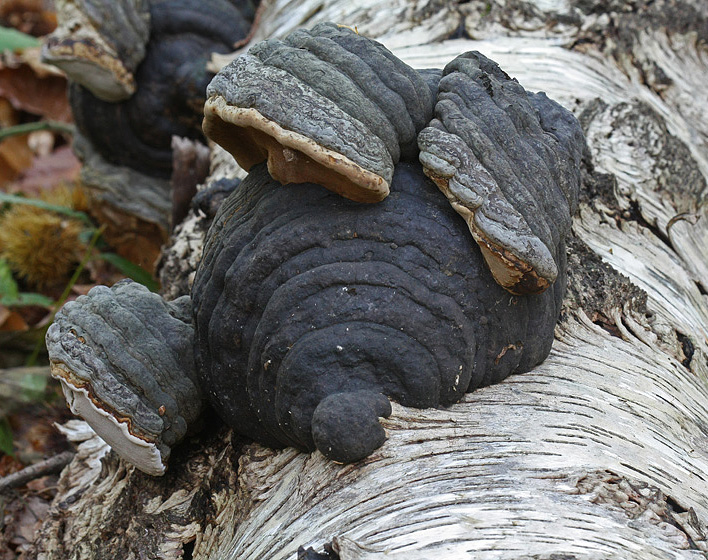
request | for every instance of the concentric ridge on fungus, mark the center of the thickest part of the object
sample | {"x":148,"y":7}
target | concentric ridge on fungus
{"x":304,"y":299}
{"x":327,"y":106}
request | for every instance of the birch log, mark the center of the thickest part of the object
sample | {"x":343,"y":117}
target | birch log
{"x":601,"y":452}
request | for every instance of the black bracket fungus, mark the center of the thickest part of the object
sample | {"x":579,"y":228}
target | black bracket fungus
{"x":100,"y":44}
{"x":308,"y":305}
{"x":137,"y":78}
{"x":170,"y":83}
{"x":327,"y":106}
{"x":311,"y":310}
{"x":509,"y":163}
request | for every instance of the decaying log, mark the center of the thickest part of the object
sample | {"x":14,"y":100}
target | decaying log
{"x":601,"y":452}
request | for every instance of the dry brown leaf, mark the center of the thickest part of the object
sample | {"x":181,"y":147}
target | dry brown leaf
{"x":23,"y":517}
{"x":48,"y":172}
{"x":39,"y":95}
{"x":34,"y":435}
{"x":8,"y":114}
{"x":81,"y":289}
{"x":29,"y":16}
{"x":9,"y":465}
{"x":11,"y":321}
{"x":15,"y":157}
{"x":137,"y":240}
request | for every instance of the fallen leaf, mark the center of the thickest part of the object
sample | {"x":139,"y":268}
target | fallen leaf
{"x":15,"y":157}
{"x":47,"y":172}
{"x":34,"y":434}
{"x":11,"y":321}
{"x":81,"y":289}
{"x":40,"y":95}
{"x":8,"y":114}
{"x":29,"y":16}
{"x":24,"y":520}
{"x":137,"y":240}
{"x":9,"y":465}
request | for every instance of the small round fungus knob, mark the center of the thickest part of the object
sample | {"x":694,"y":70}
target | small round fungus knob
{"x":345,"y":426}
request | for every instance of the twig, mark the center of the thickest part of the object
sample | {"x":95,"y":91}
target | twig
{"x":690,"y":217}
{"x":254,"y":27}
{"x":48,"y":466}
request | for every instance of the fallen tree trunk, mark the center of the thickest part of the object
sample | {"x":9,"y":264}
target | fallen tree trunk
{"x":600,"y":452}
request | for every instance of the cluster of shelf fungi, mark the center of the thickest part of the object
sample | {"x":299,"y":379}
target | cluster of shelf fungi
{"x":400,"y":235}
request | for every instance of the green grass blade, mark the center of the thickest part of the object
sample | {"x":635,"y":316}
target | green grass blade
{"x":8,"y":286}
{"x":16,"y":199}
{"x":131,"y":270}
{"x":12,"y":40}
{"x":6,"y":445}
{"x":33,"y":126}
{"x":26,"y":298}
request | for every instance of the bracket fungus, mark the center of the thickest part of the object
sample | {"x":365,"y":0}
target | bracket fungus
{"x":124,"y":134}
{"x":509,"y":163}
{"x":123,"y":356}
{"x":327,"y":106}
{"x":100,"y":44}
{"x":171,"y":80}
{"x":309,"y":311}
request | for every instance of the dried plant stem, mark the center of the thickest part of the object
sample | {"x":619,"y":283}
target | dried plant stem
{"x":34,"y":126}
{"x":49,"y":466}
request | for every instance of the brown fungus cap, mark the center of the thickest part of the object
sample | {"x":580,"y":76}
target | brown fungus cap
{"x":326,"y":106}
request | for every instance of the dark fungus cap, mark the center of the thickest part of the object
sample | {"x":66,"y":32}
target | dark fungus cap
{"x":327,"y":106}
{"x":124,"y":358}
{"x":508,"y":162}
{"x":171,"y":81}
{"x":100,"y":45}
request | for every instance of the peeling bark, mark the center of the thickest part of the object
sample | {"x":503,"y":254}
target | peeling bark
{"x":600,"y":452}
